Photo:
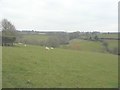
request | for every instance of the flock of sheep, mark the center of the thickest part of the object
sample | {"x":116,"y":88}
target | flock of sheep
{"x":21,"y":44}
{"x":47,"y":48}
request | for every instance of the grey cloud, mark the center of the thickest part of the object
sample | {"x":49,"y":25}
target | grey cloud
{"x":61,"y":14}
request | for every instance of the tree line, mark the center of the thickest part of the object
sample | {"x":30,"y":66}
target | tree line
{"x":10,"y":35}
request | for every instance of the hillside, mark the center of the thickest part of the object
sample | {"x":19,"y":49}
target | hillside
{"x":84,"y":45}
{"x":35,"y":67}
{"x":106,"y":35}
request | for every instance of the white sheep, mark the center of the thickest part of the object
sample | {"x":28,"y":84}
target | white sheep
{"x":51,"y":48}
{"x":25,"y":45}
{"x":47,"y":48}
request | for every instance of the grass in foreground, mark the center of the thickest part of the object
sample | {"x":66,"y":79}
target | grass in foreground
{"x":58,"y":68}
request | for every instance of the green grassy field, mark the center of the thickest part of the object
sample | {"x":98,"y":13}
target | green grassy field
{"x":35,"y":67}
{"x":112,"y":43}
{"x":108,"y":35}
{"x":85,"y":45}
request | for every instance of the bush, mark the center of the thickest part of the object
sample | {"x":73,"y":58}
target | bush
{"x":52,"y":42}
{"x":116,"y":51}
{"x":58,"y":39}
{"x":8,"y":41}
{"x":105,"y":44}
{"x":96,"y":38}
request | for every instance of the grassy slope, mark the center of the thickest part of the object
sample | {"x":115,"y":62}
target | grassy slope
{"x":112,"y":43}
{"x":58,"y":68}
{"x":85,"y":45}
{"x":108,"y":35}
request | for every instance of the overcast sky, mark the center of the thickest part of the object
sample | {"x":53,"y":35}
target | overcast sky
{"x":64,"y":15}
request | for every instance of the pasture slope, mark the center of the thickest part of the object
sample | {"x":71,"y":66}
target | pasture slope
{"x":33,"y":66}
{"x":84,"y":45}
{"x":92,"y":46}
{"x":110,"y":35}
